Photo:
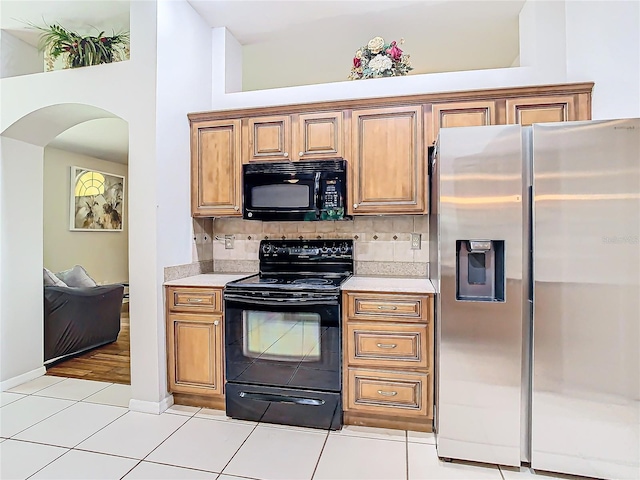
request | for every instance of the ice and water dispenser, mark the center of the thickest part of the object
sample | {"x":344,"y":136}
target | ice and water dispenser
{"x":480,"y":270}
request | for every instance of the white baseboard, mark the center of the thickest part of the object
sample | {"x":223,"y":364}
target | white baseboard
{"x":25,"y":377}
{"x":145,"y":406}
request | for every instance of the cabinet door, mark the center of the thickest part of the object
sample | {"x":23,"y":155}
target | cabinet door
{"x":388,"y":163}
{"x":216,"y":169}
{"x":268,"y":138}
{"x":526,"y":111}
{"x":319,"y":136}
{"x":195,"y":353}
{"x":461,"y":114}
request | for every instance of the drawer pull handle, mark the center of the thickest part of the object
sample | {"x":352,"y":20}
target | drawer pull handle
{"x":386,"y":345}
{"x":195,"y":300}
{"x":387,"y":307}
{"x":216,"y":323}
{"x":387,"y":394}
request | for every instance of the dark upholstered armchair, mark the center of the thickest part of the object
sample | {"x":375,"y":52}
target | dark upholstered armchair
{"x":79,"y":319}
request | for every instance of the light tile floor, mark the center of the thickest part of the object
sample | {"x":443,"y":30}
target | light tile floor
{"x":57,"y":428}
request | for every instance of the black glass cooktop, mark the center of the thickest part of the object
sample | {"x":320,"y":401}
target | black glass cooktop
{"x":293,"y":282}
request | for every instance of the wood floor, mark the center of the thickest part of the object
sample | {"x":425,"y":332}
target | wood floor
{"x":109,"y":363}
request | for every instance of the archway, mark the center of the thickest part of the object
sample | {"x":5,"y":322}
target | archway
{"x":21,"y":243}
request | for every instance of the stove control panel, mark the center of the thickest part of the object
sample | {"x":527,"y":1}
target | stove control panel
{"x":306,"y":249}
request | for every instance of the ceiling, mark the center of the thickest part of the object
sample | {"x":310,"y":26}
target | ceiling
{"x":448,"y":29}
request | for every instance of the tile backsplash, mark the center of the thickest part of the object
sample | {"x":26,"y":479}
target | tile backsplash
{"x":382,"y":244}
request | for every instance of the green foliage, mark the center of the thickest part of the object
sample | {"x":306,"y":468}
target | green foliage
{"x":82,"y":51}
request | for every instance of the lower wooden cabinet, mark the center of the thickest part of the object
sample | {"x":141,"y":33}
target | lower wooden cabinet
{"x":389,"y":392}
{"x":195,"y":346}
{"x":388,"y":366}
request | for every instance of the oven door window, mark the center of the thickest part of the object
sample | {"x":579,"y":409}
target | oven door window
{"x":287,"y":345}
{"x":282,"y":336}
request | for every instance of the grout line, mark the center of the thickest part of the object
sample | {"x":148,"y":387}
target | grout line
{"x":239,"y":448}
{"x":320,"y":456}
{"x":156,"y":462}
{"x":40,"y":421}
{"x":170,"y":435}
{"x":500,"y":470}
{"x":100,"y":429}
{"x":406,"y":450}
{"x":45,"y":466}
{"x":129,"y":471}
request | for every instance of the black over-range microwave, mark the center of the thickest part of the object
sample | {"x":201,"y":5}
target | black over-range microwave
{"x":311,"y":190}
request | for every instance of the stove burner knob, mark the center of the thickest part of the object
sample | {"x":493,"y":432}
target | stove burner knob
{"x":334,"y":250}
{"x":324,"y":250}
{"x":266,"y":248}
{"x":344,"y":248}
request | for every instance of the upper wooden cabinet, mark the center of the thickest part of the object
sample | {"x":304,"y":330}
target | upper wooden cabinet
{"x":525,"y":111}
{"x":384,"y":140}
{"x":461,"y":114}
{"x":216,"y":168}
{"x":307,"y":136}
{"x":319,"y":136}
{"x":268,"y":139}
{"x":388,"y":161}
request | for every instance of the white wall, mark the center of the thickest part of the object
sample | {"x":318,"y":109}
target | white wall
{"x":40,"y":107}
{"x":18,"y":57}
{"x":177,"y":95}
{"x":603,"y":45}
{"x":560,"y":42}
{"x":105,"y":255}
{"x":21,"y":309}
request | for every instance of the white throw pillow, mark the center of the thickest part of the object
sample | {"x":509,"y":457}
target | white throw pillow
{"x":50,"y":279}
{"x":76,"y":277}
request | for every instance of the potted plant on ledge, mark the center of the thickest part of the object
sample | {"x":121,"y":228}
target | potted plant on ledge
{"x":81,"y":51}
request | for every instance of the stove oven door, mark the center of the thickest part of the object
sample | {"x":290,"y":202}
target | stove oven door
{"x":283,"y":360}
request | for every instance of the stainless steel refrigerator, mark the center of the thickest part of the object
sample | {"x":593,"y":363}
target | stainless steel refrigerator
{"x":535,"y":258}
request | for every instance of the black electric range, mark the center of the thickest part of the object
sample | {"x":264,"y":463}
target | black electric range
{"x":283,"y":335}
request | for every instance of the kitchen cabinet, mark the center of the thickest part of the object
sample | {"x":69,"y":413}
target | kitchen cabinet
{"x":195,"y":345}
{"x":267,"y":139}
{"x":389,"y":359}
{"x":307,"y":136}
{"x":461,"y":114}
{"x":388,"y":161}
{"x":384,"y":140}
{"x":216,"y":168}
{"x":525,"y":111}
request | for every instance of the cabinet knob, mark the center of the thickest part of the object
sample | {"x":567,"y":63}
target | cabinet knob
{"x":236,"y":208}
{"x":285,"y":154}
{"x":216,"y":323}
{"x":355,"y":205}
{"x":300,"y":154}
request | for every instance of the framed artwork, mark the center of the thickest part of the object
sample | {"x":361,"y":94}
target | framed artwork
{"x":97,"y":201}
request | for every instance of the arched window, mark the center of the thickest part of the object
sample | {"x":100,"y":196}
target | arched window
{"x":89,"y":183}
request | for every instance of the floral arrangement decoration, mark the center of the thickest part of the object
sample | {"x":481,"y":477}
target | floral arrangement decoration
{"x":82,"y":51}
{"x":379,"y":59}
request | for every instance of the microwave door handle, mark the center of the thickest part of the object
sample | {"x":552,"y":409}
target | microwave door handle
{"x":316,"y":192}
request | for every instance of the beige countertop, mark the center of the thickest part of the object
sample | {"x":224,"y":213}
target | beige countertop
{"x":207,"y":280}
{"x":388,"y":284}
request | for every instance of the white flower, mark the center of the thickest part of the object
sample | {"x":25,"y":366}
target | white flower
{"x":375,"y":44}
{"x":380,"y":63}
{"x":359,"y":54}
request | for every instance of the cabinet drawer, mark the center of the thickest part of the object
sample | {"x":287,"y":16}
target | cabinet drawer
{"x":195,"y":300}
{"x":392,"y":345}
{"x":388,"y":392}
{"x":383,"y":307}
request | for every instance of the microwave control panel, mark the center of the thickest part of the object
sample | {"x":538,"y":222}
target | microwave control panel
{"x":331,"y":194}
